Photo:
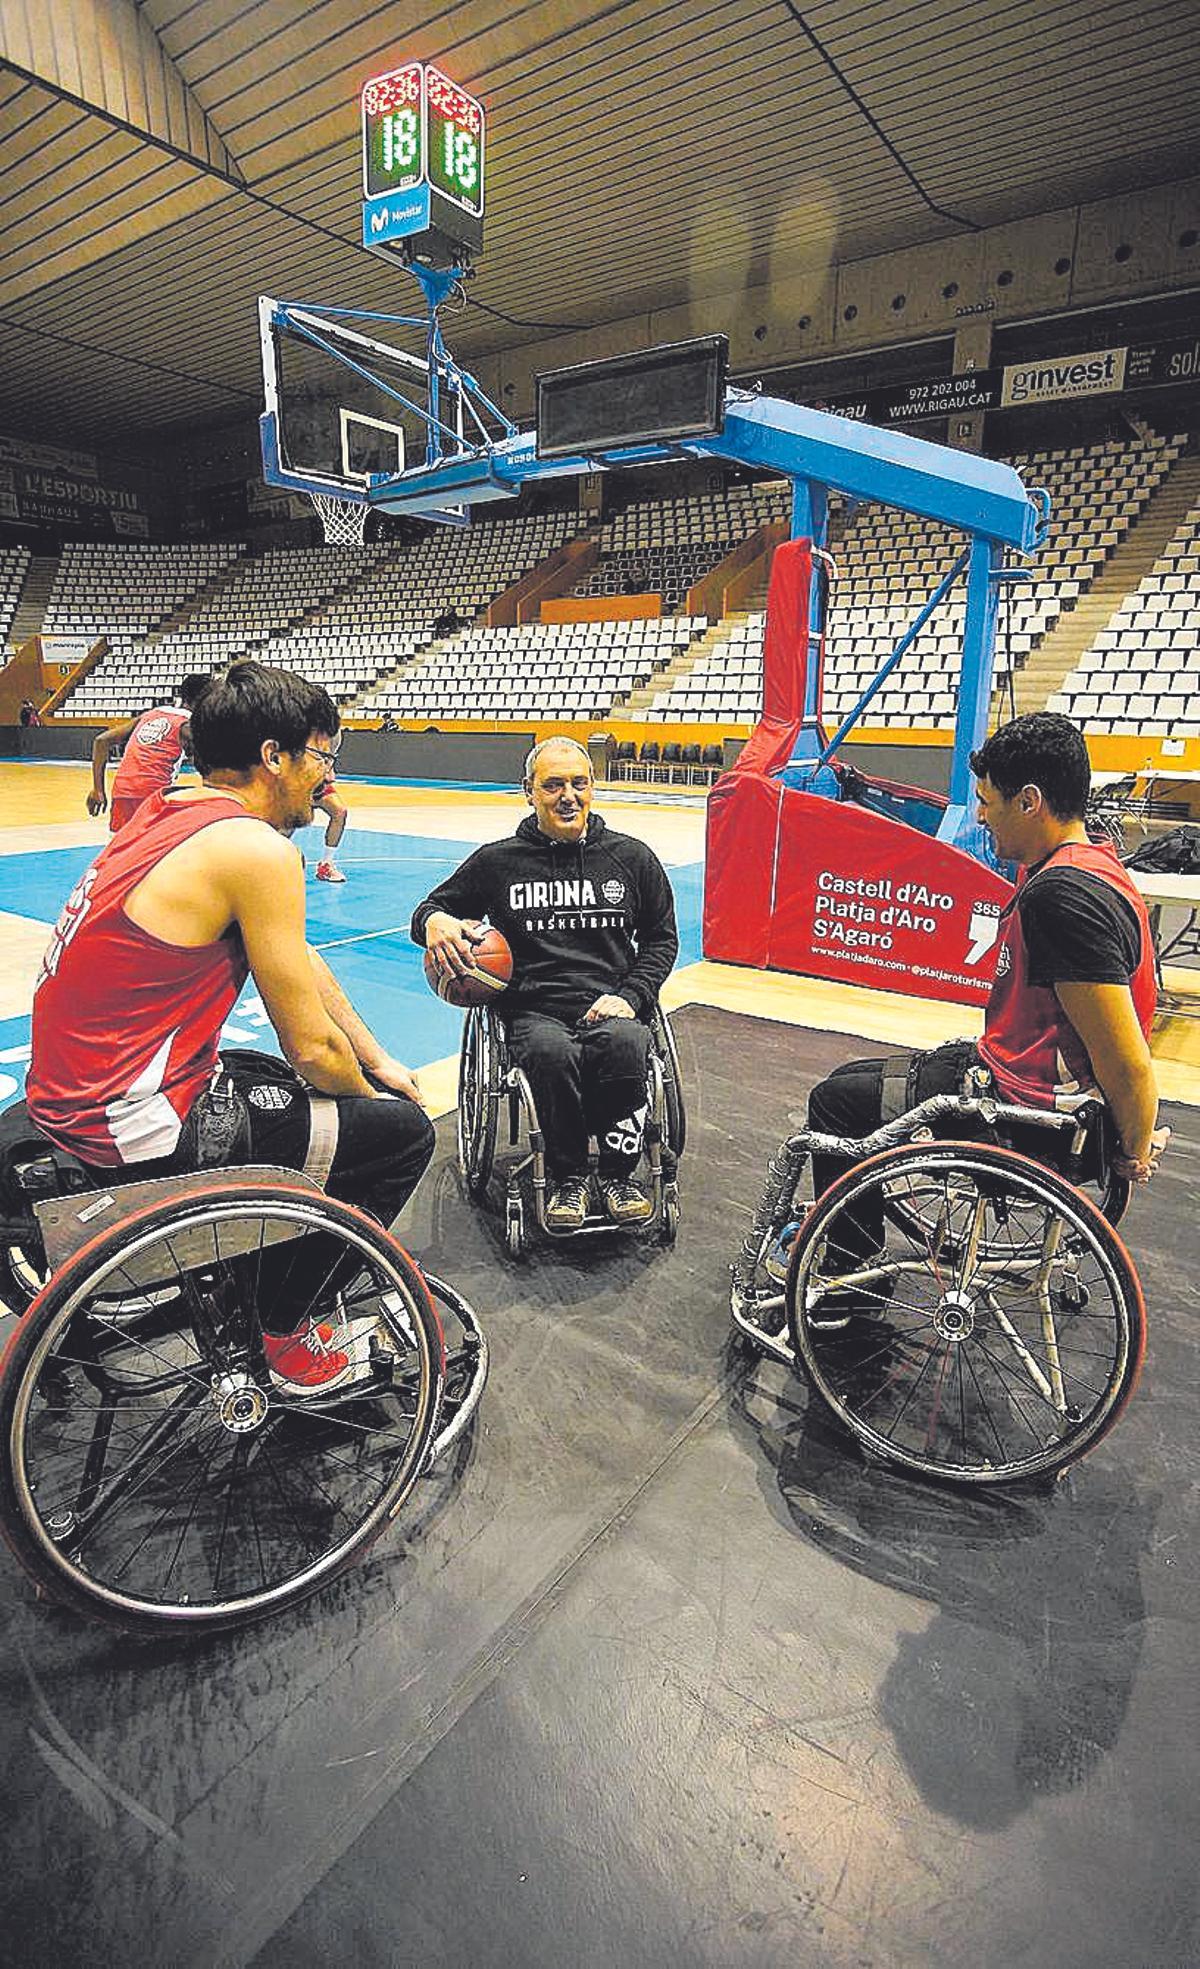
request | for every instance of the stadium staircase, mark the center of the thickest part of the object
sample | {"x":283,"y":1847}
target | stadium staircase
{"x":362,"y":705}
{"x":35,"y":593}
{"x":180,"y":617}
{"x":634,"y":703}
{"x":1076,"y":630}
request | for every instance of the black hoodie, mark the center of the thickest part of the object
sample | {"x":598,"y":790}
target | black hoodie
{"x":583,"y":917}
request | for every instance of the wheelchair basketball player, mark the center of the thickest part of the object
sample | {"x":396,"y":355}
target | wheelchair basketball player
{"x":590,"y":918}
{"x":1075,"y":989}
{"x":201,"y":888}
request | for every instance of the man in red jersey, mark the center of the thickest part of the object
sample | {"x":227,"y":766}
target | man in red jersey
{"x":155,"y":742}
{"x":1075,"y":989}
{"x":201,"y":888}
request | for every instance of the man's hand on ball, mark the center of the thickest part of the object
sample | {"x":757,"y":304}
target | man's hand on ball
{"x":452,"y":939}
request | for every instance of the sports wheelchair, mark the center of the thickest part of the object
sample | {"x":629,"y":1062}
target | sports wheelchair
{"x":489,"y":1081}
{"x":995,"y":1328}
{"x":152,"y":1475}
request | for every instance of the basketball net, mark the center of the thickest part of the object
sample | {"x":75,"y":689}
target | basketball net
{"x":342,"y":519}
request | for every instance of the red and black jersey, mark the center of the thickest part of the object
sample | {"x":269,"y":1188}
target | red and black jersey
{"x":1036,"y":1057}
{"x":125,"y":1026}
{"x":152,"y":753}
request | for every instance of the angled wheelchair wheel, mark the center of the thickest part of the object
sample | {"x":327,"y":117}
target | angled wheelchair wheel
{"x":965,"y":1312}
{"x":675,"y":1112}
{"x":478,"y":1101}
{"x":152,"y":1472}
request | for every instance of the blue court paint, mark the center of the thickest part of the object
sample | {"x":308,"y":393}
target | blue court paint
{"x":361,"y":925}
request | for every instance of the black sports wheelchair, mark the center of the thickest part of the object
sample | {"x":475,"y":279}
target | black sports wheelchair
{"x":489,"y":1081}
{"x":152,"y":1474}
{"x":965,"y":1310}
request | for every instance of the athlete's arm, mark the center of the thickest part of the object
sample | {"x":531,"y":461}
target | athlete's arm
{"x":263,"y":881}
{"x":97,"y":799}
{"x":369,"y":1053}
{"x":1104,"y":1018}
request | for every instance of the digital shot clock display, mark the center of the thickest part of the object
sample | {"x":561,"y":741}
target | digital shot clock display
{"x":422,"y":165}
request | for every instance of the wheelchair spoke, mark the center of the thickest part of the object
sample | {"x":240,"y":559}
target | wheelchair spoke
{"x":983,"y":1330}
{"x":160,"y":1470}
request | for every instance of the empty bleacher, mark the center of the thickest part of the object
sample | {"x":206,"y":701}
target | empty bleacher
{"x":1142,"y":672}
{"x":664,"y":546}
{"x":395,"y":608}
{"x":340,"y":615}
{"x":540,"y":670}
{"x":126,"y":589}
{"x":890,"y":562}
{"x":14,"y":563}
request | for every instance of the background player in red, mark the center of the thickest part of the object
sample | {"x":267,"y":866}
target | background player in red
{"x":334,"y":807}
{"x":155,"y":742}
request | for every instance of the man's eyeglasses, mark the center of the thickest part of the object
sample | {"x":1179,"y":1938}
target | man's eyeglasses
{"x":327,"y":758}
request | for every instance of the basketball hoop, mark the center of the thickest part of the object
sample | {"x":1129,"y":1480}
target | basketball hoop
{"x":342,"y":519}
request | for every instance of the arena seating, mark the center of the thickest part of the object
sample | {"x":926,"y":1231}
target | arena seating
{"x":127,"y":588}
{"x":14,"y":563}
{"x":394,"y":608}
{"x":540,"y":670}
{"x":663,"y":546}
{"x":340,"y":615}
{"x":1142,"y":672}
{"x":357,"y":619}
{"x":888,"y":564}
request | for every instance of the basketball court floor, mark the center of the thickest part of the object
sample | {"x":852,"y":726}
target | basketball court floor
{"x":661,"y":1672}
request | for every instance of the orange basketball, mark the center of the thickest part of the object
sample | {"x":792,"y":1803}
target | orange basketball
{"x":490,"y":973}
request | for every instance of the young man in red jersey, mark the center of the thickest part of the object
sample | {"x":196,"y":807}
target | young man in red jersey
{"x":201,"y":888}
{"x":155,"y":742}
{"x":1075,"y":988}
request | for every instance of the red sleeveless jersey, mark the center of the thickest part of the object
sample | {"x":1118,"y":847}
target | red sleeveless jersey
{"x":152,"y":752}
{"x":125,"y":1027}
{"x":1036,"y":1056}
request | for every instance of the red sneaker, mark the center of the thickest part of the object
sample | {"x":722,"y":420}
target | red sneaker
{"x":317,"y":1358}
{"x":328,"y":871}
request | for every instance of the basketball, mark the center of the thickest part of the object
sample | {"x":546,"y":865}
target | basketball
{"x":492,"y":969}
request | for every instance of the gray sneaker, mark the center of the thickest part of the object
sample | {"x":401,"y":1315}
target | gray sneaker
{"x":567,"y":1206}
{"x":625,"y":1202}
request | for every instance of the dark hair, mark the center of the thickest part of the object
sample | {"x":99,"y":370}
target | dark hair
{"x":190,"y":688}
{"x":252,"y":702}
{"x":1042,"y":749}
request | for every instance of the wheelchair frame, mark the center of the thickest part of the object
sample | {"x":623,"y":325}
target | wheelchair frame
{"x":108,"y":1377}
{"x":488,"y":1079}
{"x":965,"y":1270}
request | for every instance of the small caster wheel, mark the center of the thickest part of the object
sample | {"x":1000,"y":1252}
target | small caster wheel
{"x":670,"y":1213}
{"x":514,"y":1229}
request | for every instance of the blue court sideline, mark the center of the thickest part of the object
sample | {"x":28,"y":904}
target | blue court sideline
{"x":360,"y":926}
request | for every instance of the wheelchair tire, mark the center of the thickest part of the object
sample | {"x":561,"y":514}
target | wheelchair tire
{"x":152,"y":1474}
{"x":675,"y":1116}
{"x":1002,"y":1349}
{"x":514,"y":1228}
{"x":478,"y":1103}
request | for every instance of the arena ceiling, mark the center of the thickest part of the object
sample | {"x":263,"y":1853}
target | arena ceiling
{"x":166,"y":161}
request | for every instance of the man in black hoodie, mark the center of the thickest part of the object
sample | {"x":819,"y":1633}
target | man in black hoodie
{"x":591,"y":921}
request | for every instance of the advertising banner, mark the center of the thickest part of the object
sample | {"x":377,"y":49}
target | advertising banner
{"x":1053,"y":378}
{"x":831,"y":890}
{"x":1176,"y":361}
{"x":869,"y":901}
{"x":910,"y":403}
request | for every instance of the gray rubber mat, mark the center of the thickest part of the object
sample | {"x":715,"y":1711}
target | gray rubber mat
{"x":662,"y":1672}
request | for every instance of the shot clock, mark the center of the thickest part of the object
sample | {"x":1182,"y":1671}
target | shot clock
{"x":423,"y":154}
